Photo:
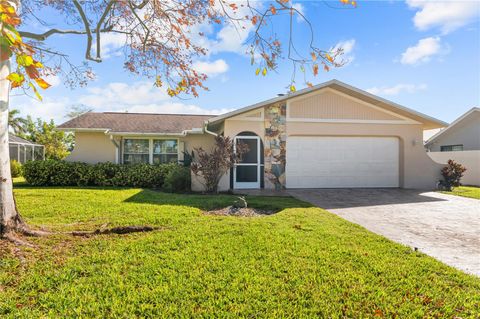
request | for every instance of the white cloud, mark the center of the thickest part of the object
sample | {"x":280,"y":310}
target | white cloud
{"x":48,"y":109}
{"x":138,"y":97}
{"x":446,"y":15}
{"x":301,"y":9}
{"x":53,"y":80}
{"x":211,"y":68}
{"x":348,"y":47}
{"x":397,"y":89}
{"x":232,"y":36}
{"x":141,"y":97}
{"x":422,"y":51}
{"x":111,"y":45}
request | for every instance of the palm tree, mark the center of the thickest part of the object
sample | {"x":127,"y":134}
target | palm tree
{"x":15,"y":122}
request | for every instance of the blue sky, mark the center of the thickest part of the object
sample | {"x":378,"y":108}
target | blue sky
{"x":422,"y":54}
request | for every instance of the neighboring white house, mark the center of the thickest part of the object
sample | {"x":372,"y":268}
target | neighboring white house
{"x":329,"y":136}
{"x":460,"y":141}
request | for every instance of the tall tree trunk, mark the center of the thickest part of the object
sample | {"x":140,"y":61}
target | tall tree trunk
{"x":9,"y":217}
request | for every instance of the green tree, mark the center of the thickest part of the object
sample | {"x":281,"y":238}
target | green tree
{"x":16,"y":122}
{"x":57,"y":143}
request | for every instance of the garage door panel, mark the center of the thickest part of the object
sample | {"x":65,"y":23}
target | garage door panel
{"x":335,"y":162}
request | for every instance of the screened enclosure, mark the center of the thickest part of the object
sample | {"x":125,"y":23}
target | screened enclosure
{"x":23,"y":150}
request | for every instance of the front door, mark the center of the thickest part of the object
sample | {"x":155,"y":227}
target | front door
{"x":246,"y":174}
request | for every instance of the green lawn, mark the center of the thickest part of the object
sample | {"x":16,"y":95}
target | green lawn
{"x":300,"y":262}
{"x":466,"y":191}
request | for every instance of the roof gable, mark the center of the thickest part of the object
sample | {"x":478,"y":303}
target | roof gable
{"x":466,"y":116}
{"x":329,"y":104}
{"x":427,"y":121}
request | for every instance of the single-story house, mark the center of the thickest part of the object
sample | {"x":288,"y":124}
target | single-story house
{"x":331,"y":135}
{"x":23,"y":150}
{"x":460,"y":141}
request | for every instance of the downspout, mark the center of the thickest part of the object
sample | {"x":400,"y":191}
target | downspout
{"x":205,"y":128}
{"x":117,"y":147}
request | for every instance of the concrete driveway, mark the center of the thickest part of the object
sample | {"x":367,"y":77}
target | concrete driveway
{"x":446,"y":227}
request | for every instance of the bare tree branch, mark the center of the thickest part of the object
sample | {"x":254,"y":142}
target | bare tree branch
{"x":99,"y":24}
{"x":45,"y":35}
{"x":88,"y":32}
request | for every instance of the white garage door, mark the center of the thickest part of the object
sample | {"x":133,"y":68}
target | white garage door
{"x":336,"y":162}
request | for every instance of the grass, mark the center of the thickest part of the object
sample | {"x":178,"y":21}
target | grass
{"x":300,"y":262}
{"x":466,"y":191}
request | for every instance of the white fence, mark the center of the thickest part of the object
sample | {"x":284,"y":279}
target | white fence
{"x":469,"y":159}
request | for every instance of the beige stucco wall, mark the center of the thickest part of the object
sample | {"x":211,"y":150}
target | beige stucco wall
{"x":205,"y":141}
{"x":469,"y":159}
{"x":466,"y":132}
{"x":92,"y":148}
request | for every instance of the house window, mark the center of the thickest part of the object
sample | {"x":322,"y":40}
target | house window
{"x":165,"y":151}
{"x":451,"y":148}
{"x":136,"y":151}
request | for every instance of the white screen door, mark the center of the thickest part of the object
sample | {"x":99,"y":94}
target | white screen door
{"x":246,"y":174}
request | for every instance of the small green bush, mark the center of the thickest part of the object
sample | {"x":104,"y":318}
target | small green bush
{"x":62,"y":173}
{"x":16,"y":168}
{"x":178,"y":180}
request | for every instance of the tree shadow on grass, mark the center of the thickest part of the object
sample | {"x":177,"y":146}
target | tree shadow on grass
{"x":210,"y":202}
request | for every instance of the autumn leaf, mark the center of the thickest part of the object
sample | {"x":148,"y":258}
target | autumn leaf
{"x":5,"y":52}
{"x":354,"y":3}
{"x":325,"y":67}
{"x":314,"y":56}
{"x":158,"y":81}
{"x":329,"y":58}
{"x":315,"y":69}
{"x":8,"y":19}
{"x":42,"y":83}
{"x":378,"y":313}
{"x":257,"y":71}
{"x":12,"y":34}
{"x":32,"y":72}
{"x":292,"y":88}
{"x":273,"y":10}
{"x":24,"y":60}
{"x":37,"y":64}
{"x":309,"y":84}
{"x":254,"y":20}
{"x":264,"y":72}
{"x":16,"y":79}
{"x":35,"y":91}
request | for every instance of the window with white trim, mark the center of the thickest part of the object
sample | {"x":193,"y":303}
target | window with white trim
{"x":451,"y":148}
{"x":136,"y":151}
{"x":165,"y":151}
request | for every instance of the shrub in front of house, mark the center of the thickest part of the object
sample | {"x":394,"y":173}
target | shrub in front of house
{"x":15,"y":168}
{"x":452,"y":174}
{"x":178,"y":180}
{"x":62,"y":173}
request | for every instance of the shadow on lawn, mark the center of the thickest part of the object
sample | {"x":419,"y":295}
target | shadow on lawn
{"x":210,"y":202}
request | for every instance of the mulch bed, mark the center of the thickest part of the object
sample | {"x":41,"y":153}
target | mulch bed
{"x":240,"y":212}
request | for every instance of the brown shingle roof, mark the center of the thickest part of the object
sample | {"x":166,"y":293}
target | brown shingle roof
{"x":136,"y":122}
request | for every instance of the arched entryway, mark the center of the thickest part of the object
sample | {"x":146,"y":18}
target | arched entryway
{"x":248,"y":174}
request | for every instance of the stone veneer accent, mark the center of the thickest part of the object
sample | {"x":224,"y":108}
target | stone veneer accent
{"x":275,"y":145}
